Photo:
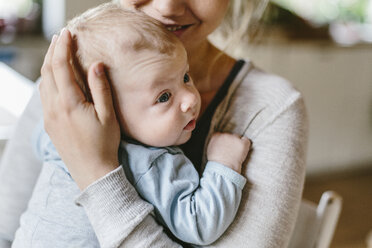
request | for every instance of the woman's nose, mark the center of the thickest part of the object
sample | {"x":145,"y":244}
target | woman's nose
{"x":189,"y":101}
{"x":170,"y":8}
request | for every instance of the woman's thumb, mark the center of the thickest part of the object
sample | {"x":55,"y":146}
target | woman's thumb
{"x":101,"y":92}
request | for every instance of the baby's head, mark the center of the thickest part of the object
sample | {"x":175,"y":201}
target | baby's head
{"x":155,"y":99}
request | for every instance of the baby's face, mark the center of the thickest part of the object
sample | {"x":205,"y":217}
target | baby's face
{"x":156,"y":100}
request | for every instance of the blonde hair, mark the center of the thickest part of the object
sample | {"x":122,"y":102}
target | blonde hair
{"x":99,"y":33}
{"x":241,"y":23}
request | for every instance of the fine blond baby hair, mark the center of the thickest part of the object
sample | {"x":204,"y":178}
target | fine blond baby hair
{"x":99,"y":33}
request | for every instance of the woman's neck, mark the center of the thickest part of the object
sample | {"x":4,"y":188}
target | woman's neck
{"x":209,"y":68}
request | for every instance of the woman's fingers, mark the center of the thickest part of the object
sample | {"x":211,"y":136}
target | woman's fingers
{"x":47,"y":85}
{"x":101,"y":92}
{"x":69,"y":90}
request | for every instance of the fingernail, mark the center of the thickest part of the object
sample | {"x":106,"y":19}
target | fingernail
{"x":60,"y":34}
{"x":98,"y":69}
{"x":62,"y":31}
{"x":54,"y":38}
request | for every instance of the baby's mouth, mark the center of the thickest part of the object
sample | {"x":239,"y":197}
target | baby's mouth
{"x":191,"y":125}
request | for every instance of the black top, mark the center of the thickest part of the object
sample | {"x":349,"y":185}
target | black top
{"x":193,"y":148}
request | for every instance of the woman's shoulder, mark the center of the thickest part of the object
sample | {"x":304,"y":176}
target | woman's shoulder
{"x":264,"y":87}
{"x":256,"y":98}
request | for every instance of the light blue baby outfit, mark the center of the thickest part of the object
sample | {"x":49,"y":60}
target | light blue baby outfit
{"x":196,"y":209}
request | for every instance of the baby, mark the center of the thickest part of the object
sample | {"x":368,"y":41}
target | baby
{"x":157,"y":107}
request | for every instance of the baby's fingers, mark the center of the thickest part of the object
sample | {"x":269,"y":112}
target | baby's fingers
{"x":246,"y":146}
{"x":247,"y":142}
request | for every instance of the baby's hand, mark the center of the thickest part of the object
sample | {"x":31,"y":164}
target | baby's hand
{"x":228,"y":149}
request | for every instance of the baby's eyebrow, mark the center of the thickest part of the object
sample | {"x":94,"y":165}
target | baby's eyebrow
{"x":158,"y":84}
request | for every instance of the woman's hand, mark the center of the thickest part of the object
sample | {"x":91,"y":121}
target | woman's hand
{"x":86,"y":134}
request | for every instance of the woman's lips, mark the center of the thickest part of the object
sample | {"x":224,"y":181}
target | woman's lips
{"x":178,"y":30}
{"x":190,"y":126}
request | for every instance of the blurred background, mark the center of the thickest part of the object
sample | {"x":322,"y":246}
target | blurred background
{"x":324,"y":47}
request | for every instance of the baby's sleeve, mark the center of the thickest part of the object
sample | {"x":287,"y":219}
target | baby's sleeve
{"x":196,"y":210}
{"x":43,"y":147}
{"x":37,"y":139}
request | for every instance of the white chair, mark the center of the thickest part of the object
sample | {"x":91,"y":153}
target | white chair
{"x":15,"y":92}
{"x":316,"y":224}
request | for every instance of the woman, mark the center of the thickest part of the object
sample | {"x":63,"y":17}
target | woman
{"x":236,"y":98}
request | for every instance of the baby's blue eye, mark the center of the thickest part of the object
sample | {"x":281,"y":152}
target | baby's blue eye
{"x":186,"y":78}
{"x":164,"y":97}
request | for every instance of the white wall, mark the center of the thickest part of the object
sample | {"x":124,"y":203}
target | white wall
{"x":337,"y":85}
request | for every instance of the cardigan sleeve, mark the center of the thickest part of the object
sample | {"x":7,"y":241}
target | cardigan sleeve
{"x":120,"y":218}
{"x":19,"y":169}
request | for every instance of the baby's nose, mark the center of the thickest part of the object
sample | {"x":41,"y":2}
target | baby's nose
{"x":189,"y":102}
